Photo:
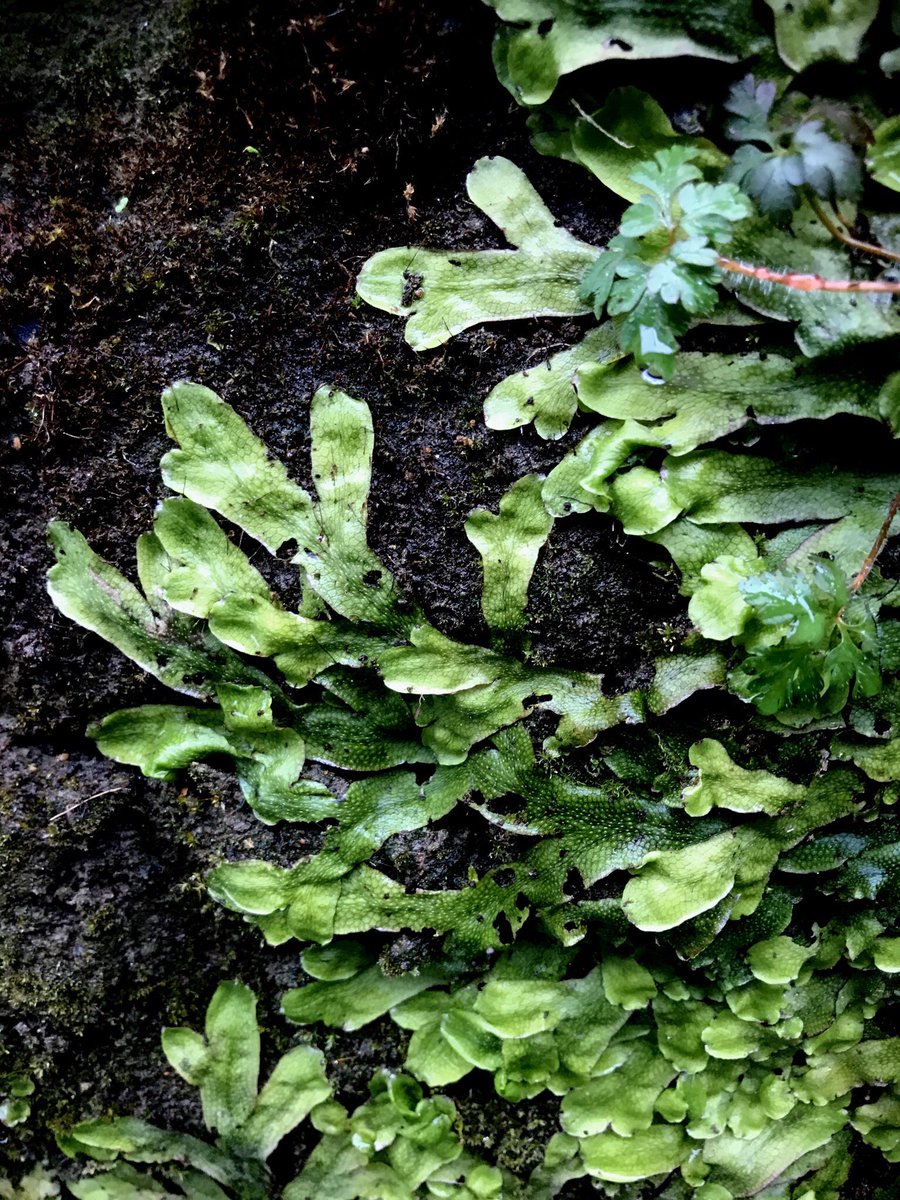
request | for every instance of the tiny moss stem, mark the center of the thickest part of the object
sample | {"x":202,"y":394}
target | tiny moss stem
{"x":843,"y":236}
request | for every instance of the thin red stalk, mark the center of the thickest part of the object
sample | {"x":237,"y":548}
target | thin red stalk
{"x":883,"y":534}
{"x":847,"y":238}
{"x":807,"y":283}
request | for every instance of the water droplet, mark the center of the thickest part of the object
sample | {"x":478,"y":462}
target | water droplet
{"x":649,"y":377}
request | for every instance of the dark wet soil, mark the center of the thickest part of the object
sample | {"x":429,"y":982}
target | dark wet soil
{"x":265,"y":150}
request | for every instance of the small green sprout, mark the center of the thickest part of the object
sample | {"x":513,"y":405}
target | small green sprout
{"x":661,"y":271}
{"x":809,"y":644}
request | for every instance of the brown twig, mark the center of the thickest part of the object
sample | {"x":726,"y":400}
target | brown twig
{"x":883,"y":535}
{"x":807,"y":283}
{"x":847,"y":238}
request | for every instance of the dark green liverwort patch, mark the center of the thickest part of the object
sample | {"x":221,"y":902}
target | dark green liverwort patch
{"x":706,"y":870}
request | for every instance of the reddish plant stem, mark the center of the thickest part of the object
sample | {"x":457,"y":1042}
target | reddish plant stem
{"x":847,"y":238}
{"x":807,"y":283}
{"x":883,"y":534}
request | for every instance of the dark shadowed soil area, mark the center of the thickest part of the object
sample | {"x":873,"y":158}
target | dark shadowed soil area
{"x":265,"y":150}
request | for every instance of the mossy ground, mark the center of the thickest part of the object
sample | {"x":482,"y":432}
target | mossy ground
{"x":265,"y":150}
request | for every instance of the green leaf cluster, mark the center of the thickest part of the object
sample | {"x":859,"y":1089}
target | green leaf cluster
{"x":808,"y":643}
{"x":15,"y":1102}
{"x":883,"y":159}
{"x":392,"y":1146}
{"x":36,"y":1184}
{"x":667,"y":985}
{"x":661,"y":270}
{"x":617,"y":138}
{"x":441,"y":293}
{"x":782,"y":154}
{"x":207,"y":612}
{"x":736,"y":1078}
{"x":248,"y":1122}
{"x":541,"y":40}
{"x":398,"y":1145}
{"x":807,"y":32}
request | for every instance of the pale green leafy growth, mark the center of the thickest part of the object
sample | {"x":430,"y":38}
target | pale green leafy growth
{"x":778,"y":960}
{"x":468,"y":692}
{"x":15,"y":1103}
{"x":883,"y":159}
{"x":390,"y":1147}
{"x":713,"y":395}
{"x":721,"y":783}
{"x":626,"y":131}
{"x":695,"y":547}
{"x":746,"y":1167}
{"x":395,"y":1144}
{"x":745,"y":1081}
{"x":188,"y":562}
{"x":678,"y":885}
{"x":805,"y":651}
{"x":807,"y":31}
{"x":626,"y":983}
{"x":531,"y":1029}
{"x":880,"y":761}
{"x":88,"y":590}
{"x":645,"y":1154}
{"x":826,"y":321}
{"x":684,"y":868}
{"x":833,"y":1075}
{"x":36,"y":1184}
{"x":719,"y":1083}
{"x":718,"y":607}
{"x":371,"y":731}
{"x":546,"y":394}
{"x":190,"y":569}
{"x":622,"y":1099}
{"x":224,"y":1065}
{"x":586,"y":834}
{"x":879,"y":1124}
{"x":509,"y":543}
{"x":718,"y":490}
{"x":798,"y":153}
{"x":599,"y":454}
{"x":544,"y":39}
{"x":714,"y":488}
{"x":886,"y":954}
{"x":303,"y":902}
{"x":444,"y":292}
{"x":353,"y":1002}
{"x":221,"y":465}
{"x":726,"y":874}
{"x":464,"y":693}
{"x":660,"y":272}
